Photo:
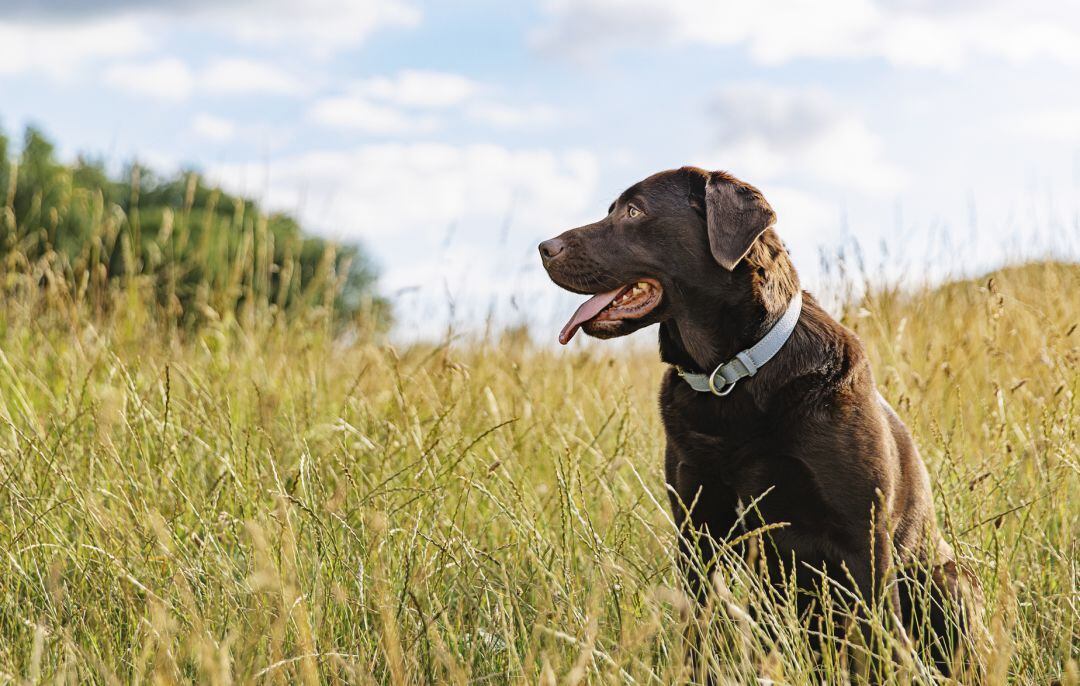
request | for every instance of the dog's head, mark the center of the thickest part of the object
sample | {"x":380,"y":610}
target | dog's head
{"x":667,"y":243}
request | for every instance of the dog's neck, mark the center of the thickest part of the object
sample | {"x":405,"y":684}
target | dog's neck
{"x":710,"y":338}
{"x":759,"y":292}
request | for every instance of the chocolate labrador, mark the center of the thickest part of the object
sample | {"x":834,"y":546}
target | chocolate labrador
{"x":767,"y":399}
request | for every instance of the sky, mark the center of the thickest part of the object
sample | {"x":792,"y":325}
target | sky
{"x":922,"y":138}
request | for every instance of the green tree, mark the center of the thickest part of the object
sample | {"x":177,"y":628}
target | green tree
{"x":194,"y":240}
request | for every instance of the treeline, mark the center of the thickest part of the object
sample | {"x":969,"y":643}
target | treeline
{"x":200,"y":251}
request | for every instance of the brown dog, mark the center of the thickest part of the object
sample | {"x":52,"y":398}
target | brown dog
{"x":695,"y":252}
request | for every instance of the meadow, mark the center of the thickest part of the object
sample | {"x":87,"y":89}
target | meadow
{"x":277,"y":496}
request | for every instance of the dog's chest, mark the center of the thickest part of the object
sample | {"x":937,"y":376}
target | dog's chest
{"x":748,"y":464}
{"x":736,"y":456}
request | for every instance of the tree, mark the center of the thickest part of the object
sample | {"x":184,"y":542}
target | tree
{"x":191,"y":238}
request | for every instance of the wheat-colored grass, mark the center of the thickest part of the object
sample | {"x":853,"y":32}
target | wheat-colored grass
{"x":263,"y":503}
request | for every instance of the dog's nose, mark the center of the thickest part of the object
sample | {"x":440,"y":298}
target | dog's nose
{"x":550,"y":248}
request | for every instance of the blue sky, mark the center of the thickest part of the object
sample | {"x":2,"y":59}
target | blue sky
{"x":941,"y":136}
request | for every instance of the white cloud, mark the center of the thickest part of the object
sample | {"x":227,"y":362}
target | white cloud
{"x":1054,"y":125}
{"x":422,"y":89}
{"x":404,"y":103}
{"x":236,"y":76}
{"x":321,"y":27}
{"x":800,"y":213}
{"x":420,"y":188}
{"x":214,"y":128}
{"x":60,"y":50}
{"x":786,"y":118}
{"x":71,"y":10}
{"x":444,"y":220}
{"x":904,"y":32}
{"x":164,"y":79}
{"x":770,"y":133}
{"x":172,"y":79}
{"x":62,"y":40}
{"x":354,"y":113}
{"x":505,"y":116}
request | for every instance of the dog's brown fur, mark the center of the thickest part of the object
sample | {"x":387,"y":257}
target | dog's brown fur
{"x":845,"y":476}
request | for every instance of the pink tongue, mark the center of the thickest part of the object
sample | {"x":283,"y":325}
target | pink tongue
{"x":589,"y":309}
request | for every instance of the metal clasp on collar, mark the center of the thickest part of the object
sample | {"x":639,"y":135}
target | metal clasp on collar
{"x":707,"y":382}
{"x":726,"y":388}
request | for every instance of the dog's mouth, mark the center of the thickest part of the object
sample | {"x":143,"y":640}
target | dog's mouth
{"x":625,"y":302}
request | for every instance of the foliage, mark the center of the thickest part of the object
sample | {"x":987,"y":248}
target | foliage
{"x":206,"y":253}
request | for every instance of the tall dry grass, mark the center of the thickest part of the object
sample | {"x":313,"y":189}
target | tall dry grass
{"x":259,"y":501}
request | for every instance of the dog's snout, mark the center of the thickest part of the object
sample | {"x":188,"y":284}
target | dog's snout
{"x":549,"y":249}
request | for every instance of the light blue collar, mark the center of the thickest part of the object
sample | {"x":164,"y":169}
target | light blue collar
{"x":749,"y":361}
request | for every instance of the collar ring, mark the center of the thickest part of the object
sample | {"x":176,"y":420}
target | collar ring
{"x":727,"y":387}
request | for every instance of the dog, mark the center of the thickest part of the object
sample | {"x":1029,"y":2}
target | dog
{"x":767,"y":399}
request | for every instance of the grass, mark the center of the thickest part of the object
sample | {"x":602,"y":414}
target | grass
{"x":259,"y":501}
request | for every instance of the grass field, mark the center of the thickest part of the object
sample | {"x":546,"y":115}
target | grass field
{"x":263,"y":502}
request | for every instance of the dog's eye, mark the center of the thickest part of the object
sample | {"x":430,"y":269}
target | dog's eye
{"x":633,"y":211}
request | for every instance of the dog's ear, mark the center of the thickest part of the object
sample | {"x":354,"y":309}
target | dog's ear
{"x":736,"y":214}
